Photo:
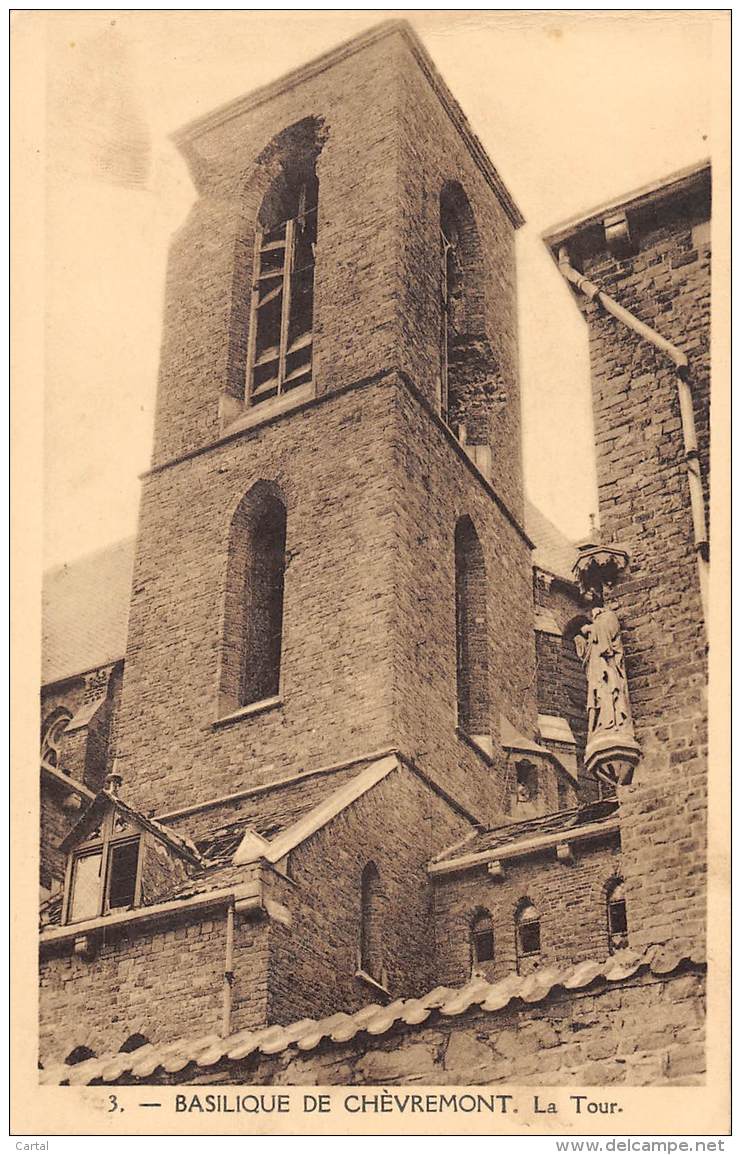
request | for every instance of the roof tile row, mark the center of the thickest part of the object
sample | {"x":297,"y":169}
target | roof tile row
{"x":306,"y":1034}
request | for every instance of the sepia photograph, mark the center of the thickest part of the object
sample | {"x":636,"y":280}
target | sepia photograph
{"x":374,"y":593}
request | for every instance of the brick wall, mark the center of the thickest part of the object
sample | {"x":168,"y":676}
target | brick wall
{"x":162,"y":983}
{"x":430,"y":156}
{"x":56,"y":822}
{"x":570,"y":899}
{"x":210,"y":265}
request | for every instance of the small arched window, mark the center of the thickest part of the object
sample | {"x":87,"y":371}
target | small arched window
{"x":79,"y":1055}
{"x":527,"y":931}
{"x":51,"y":736}
{"x":371,"y":923}
{"x":253,"y":606}
{"x":617,"y":916}
{"x":527,"y":782}
{"x":482,"y":939}
{"x":472,"y":635}
{"x":279,"y":356}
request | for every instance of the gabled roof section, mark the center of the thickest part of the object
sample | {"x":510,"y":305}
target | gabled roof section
{"x":252,"y":848}
{"x":269,"y":810}
{"x":85,"y":612}
{"x":554,"y":551}
{"x":104,"y":802}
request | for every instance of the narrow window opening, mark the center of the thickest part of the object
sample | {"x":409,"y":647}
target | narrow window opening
{"x":527,"y":932}
{"x":252,"y":640}
{"x":617,"y":918}
{"x":527,"y":782}
{"x":482,"y":939}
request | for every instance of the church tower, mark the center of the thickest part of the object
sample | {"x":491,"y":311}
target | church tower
{"x":331,"y":558}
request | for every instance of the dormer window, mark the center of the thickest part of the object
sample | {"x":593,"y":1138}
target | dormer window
{"x":103,"y":874}
{"x":103,"y":878}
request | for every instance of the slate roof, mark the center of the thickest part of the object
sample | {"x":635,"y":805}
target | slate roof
{"x":553,"y":550}
{"x":85,"y":603}
{"x":85,"y":612}
{"x":150,"y":1062}
{"x":562,"y":822}
{"x":105,"y":799}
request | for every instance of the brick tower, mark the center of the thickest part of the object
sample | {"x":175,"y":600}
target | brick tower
{"x":338,"y":432}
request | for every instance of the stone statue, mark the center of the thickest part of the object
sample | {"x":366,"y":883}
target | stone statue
{"x":600,"y":648}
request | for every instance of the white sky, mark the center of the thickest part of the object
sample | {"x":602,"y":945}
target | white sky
{"x":573,"y":108}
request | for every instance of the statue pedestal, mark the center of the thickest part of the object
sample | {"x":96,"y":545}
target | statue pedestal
{"x":612,"y":757}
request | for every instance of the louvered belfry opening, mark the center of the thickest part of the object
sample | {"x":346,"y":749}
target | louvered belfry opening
{"x":280,"y":349}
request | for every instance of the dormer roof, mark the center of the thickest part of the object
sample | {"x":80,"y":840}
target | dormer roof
{"x":103,"y":804}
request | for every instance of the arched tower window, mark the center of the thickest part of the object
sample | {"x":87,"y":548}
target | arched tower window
{"x":465,"y":355}
{"x":527,"y":932}
{"x":279,"y":354}
{"x":617,"y":916}
{"x":472,"y":640}
{"x":253,"y":607}
{"x":371,"y":922}
{"x":482,"y":939}
{"x":51,"y":736}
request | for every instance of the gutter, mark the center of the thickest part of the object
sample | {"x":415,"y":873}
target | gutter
{"x":686,"y":408}
{"x":248,"y":896}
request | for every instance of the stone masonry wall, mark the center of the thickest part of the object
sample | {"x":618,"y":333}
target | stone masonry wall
{"x":643,"y":489}
{"x":209,"y":276}
{"x":645,"y":1031}
{"x":571,"y":901}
